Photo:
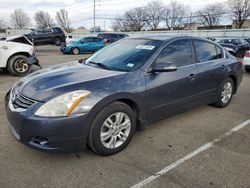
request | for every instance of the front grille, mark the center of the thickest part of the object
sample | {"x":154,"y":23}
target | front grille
{"x":20,"y":101}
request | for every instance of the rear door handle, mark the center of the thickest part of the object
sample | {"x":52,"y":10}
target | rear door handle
{"x":192,"y":77}
{"x":222,"y":66}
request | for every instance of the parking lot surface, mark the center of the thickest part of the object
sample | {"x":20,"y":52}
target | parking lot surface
{"x":225,"y":164}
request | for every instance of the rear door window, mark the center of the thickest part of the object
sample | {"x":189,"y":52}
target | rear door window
{"x":178,"y":52}
{"x":205,"y":51}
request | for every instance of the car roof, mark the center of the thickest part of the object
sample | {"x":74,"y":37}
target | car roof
{"x":166,"y":37}
{"x":112,"y":34}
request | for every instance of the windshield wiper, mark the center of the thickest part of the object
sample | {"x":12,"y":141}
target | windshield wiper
{"x":101,"y":65}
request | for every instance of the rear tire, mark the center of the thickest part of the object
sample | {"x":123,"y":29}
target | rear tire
{"x":57,"y":42}
{"x":112,"y":129}
{"x":75,"y":51}
{"x":225,"y":93}
{"x":18,"y":66}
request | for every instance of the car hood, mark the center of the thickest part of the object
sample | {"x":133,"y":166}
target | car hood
{"x":45,"y":84}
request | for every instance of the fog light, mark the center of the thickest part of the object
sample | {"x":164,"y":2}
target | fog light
{"x":40,"y":140}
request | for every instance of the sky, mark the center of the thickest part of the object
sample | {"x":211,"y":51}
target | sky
{"x":81,"y":11}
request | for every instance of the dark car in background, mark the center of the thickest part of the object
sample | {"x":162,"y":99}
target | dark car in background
{"x":112,"y":37}
{"x":53,"y":36}
{"x":101,"y":101}
{"x":239,"y":45}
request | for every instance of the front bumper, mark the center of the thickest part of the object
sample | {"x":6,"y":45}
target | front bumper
{"x":54,"y":135}
{"x":32,"y":60}
{"x":65,"y":49}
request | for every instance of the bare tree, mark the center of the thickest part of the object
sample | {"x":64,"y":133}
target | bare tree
{"x":43,"y":19}
{"x":63,"y":21}
{"x":175,"y":14}
{"x":211,"y":15}
{"x":19,"y":19}
{"x":132,"y":20}
{"x":240,"y":10}
{"x":2,"y":26}
{"x":119,"y":24}
{"x":154,"y":13}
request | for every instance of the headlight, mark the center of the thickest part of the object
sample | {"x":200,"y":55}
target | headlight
{"x":63,"y":105}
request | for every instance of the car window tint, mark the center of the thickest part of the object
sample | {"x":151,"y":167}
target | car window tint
{"x":130,"y":54}
{"x":57,"y":30}
{"x":88,"y":40}
{"x":47,"y":31}
{"x":219,"y":52}
{"x":205,"y":51}
{"x":179,"y":52}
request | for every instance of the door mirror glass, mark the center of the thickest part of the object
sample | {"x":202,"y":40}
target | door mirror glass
{"x":164,"y":67}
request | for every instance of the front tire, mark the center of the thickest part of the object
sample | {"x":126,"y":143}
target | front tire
{"x":75,"y":51}
{"x":225,"y":93}
{"x":18,"y":66}
{"x":112,"y":129}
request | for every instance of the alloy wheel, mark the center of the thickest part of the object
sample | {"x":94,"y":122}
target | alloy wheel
{"x":115,"y":130}
{"x":227,"y":92}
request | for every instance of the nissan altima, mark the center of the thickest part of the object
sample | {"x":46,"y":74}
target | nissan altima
{"x":101,"y":101}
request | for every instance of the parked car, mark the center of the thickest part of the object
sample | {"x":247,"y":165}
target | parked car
{"x":102,"y":100}
{"x":112,"y":37}
{"x":84,"y":45}
{"x":231,"y":48}
{"x":17,"y":55}
{"x":241,"y":45}
{"x":69,"y":39}
{"x":54,"y":36}
{"x":246,"y":61}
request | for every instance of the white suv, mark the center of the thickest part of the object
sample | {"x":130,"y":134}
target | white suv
{"x":246,"y":61}
{"x":17,"y":55}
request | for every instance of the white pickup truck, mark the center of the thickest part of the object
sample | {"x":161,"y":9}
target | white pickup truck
{"x":17,"y":55}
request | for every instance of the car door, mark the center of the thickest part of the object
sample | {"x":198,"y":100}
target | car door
{"x":171,"y":91}
{"x":37,"y":37}
{"x":47,"y":36}
{"x":93,"y":44}
{"x":211,"y":67}
{"x":84,"y":44}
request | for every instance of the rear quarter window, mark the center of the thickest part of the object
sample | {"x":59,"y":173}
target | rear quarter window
{"x":220,"y":53}
{"x":205,"y":51}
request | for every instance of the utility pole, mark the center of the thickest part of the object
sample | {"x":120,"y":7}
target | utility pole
{"x":94,"y":16}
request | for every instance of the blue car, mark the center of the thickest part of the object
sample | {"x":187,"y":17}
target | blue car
{"x":101,"y":101}
{"x":84,"y":45}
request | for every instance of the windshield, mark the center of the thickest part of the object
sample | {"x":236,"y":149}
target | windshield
{"x":125,"y":55}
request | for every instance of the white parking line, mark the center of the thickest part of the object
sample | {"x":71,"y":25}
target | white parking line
{"x":190,"y":155}
{"x":3,"y":92}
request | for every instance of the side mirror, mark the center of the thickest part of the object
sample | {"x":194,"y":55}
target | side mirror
{"x":164,"y":67}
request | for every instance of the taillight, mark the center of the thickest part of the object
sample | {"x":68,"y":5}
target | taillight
{"x":106,"y":41}
{"x":247,"y":54}
{"x":240,"y":61}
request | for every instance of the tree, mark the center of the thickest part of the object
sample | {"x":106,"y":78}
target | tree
{"x":2,"y":26}
{"x":19,"y":19}
{"x":210,"y":16}
{"x":175,"y":14}
{"x":43,"y":19}
{"x":132,"y":20}
{"x":240,"y":10}
{"x":63,"y":21}
{"x":154,"y":13}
